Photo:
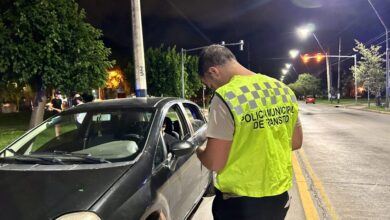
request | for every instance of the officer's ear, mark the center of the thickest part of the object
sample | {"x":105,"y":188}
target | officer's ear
{"x":214,"y":72}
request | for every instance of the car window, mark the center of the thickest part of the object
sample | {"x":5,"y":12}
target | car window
{"x":179,"y":124}
{"x":194,"y":115}
{"x":114,"y":135}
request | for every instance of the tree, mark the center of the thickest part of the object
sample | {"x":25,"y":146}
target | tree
{"x":306,"y":84}
{"x":163,"y":72}
{"x":48,"y":45}
{"x":193,"y":83}
{"x":369,"y":70}
{"x":11,"y":92}
{"x":348,"y":84}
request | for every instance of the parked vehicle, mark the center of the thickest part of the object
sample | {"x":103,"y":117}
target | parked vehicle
{"x":310,"y":99}
{"x":107,"y":160}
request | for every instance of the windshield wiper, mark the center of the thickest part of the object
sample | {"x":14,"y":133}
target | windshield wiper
{"x":30,"y":158}
{"x":80,"y":155}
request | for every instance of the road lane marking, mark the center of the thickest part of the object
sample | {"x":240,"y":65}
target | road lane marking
{"x":318,"y":185}
{"x":307,"y":202}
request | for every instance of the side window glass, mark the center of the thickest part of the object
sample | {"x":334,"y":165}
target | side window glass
{"x":159,"y":156}
{"x":194,"y":115}
{"x":175,"y":124}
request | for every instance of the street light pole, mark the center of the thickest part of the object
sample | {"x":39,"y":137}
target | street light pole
{"x":387,"y":54}
{"x":327,"y":65}
{"x":182,"y":73}
{"x":338,"y":74}
{"x":355,"y":67}
{"x":183,"y":53}
{"x":328,"y":75}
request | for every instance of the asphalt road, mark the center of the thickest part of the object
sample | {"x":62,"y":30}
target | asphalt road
{"x":345,"y":160}
{"x":349,"y":153}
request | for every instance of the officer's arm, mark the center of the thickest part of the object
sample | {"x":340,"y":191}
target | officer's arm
{"x":297,"y":137}
{"x":215,"y":155}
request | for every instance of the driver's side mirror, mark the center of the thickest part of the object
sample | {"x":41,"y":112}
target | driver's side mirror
{"x":182,"y":148}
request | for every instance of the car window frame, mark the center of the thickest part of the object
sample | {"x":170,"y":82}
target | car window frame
{"x":165,"y":154}
{"x":189,"y":120}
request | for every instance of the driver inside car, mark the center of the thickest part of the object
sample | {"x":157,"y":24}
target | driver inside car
{"x":170,"y":136}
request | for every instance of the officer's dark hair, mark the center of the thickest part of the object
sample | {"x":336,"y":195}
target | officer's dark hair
{"x":213,"y":55}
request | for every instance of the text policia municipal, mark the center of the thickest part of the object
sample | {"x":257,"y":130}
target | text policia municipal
{"x":270,"y":116}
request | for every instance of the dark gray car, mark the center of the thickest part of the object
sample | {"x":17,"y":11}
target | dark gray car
{"x":117,"y":159}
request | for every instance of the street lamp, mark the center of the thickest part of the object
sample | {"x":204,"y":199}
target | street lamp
{"x":303,"y":33}
{"x":294,"y":53}
{"x":387,"y":53}
{"x":184,"y":51}
{"x":284,"y":71}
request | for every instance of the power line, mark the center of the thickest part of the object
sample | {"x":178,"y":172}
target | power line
{"x":352,"y":53}
{"x":375,"y":38}
{"x":181,"y":13}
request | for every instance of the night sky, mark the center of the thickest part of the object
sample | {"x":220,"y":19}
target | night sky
{"x":267,"y":27}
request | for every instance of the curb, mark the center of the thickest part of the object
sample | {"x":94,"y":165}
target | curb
{"x":363,"y":109}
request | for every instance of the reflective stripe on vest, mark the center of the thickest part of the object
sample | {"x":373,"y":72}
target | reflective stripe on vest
{"x":264,"y":112}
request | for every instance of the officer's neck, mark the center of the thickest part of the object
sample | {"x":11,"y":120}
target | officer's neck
{"x":237,"y":69}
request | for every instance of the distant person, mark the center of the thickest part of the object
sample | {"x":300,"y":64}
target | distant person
{"x":78,"y":100}
{"x":56,"y":103}
{"x":253,"y":128}
{"x":56,"y":107}
{"x":87,"y":97}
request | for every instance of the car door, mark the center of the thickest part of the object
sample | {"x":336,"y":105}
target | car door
{"x":162,"y":184}
{"x":186,"y":170}
{"x":198,"y":123}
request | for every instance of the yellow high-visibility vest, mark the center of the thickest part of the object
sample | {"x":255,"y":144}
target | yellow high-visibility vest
{"x":265,"y":112}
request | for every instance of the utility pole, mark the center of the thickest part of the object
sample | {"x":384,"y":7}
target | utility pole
{"x":355,"y":68}
{"x":341,"y":56}
{"x":328,"y":75}
{"x":138,"y":47}
{"x":182,"y":51}
{"x":338,"y":73}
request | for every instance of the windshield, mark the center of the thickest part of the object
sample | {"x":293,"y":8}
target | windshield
{"x":104,"y":136}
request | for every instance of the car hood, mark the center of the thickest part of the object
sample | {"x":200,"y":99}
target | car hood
{"x":45,"y":192}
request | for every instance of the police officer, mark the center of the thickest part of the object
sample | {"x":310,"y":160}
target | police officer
{"x":253,"y":128}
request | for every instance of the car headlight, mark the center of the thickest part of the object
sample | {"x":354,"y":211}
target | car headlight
{"x":79,"y":216}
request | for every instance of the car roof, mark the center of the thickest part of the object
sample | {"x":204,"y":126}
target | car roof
{"x":139,"y":102}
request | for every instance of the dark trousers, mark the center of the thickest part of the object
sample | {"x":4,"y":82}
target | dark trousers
{"x":249,"y":208}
